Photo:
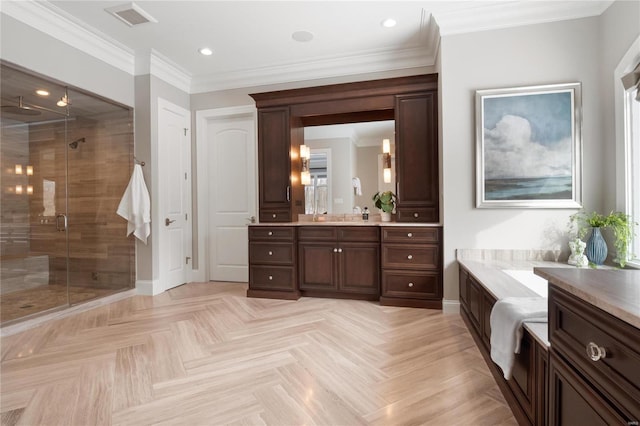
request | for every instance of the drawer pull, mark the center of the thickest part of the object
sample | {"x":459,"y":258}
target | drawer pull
{"x":270,"y":233}
{"x":270,"y":253}
{"x":270,"y":277}
{"x":409,"y":235}
{"x":410,"y":257}
{"x":410,"y":284}
{"x":416,"y":215}
{"x":595,"y":352}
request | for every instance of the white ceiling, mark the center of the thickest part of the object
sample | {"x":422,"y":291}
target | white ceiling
{"x":252,"y":40}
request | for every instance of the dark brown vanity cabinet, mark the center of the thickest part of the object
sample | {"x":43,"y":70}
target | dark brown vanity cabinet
{"x":411,"y":101}
{"x":411,"y":266}
{"x":274,"y":165}
{"x":339,"y":261}
{"x":417,"y":157}
{"x":594,"y":365}
{"x":272,"y":262}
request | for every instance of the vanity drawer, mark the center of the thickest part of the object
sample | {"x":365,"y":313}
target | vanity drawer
{"x":272,"y":277}
{"x":358,"y":233}
{"x":271,"y":233}
{"x":411,"y":284}
{"x":271,"y":253}
{"x":274,"y":215}
{"x":395,"y":234}
{"x":575,"y":325}
{"x":417,"y":214}
{"x":317,"y":233}
{"x":410,"y":256}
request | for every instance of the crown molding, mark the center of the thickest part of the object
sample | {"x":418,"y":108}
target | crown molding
{"x":51,"y":20}
{"x":159,"y":66}
{"x":486,"y":16}
{"x":363,"y":63}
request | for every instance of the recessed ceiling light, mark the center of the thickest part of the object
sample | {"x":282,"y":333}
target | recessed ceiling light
{"x":42,"y":92}
{"x":389,"y":23}
{"x":302,"y":36}
{"x":206,"y":51}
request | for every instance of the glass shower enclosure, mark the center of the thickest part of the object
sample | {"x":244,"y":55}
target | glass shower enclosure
{"x":66,"y":158}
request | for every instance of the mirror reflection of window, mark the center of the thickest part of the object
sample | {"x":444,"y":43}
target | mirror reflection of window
{"x":316,"y":194}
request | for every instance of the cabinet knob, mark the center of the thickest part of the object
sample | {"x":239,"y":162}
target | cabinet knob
{"x":410,"y":257}
{"x":270,"y":277}
{"x":410,"y":284}
{"x":595,"y":352}
{"x":416,"y":215}
{"x":270,"y":233}
{"x":339,"y":250}
{"x":335,"y":250}
{"x":274,"y":215}
{"x":270,"y":253}
{"x":409,"y":235}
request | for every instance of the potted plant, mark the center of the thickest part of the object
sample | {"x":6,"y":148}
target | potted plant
{"x":620,"y":224}
{"x":386,"y":202}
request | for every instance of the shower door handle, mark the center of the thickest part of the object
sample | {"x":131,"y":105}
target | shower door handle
{"x":64,"y":222}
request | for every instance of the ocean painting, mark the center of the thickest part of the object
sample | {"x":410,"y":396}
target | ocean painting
{"x":527,"y":147}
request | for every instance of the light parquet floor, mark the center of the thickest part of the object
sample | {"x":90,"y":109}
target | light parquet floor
{"x":204,"y":354}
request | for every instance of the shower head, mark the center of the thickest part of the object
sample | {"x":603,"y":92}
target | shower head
{"x":74,"y":144}
{"x":21,"y":109}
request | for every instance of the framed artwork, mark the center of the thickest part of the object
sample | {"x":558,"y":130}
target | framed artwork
{"x":529,"y":147}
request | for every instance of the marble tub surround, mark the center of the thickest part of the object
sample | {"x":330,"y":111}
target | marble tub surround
{"x":615,"y":291}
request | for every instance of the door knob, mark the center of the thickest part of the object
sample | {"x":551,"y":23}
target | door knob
{"x":252,"y":219}
{"x":168,"y":222}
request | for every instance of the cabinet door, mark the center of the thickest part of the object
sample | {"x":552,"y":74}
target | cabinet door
{"x":417,"y":157}
{"x":274,"y":165}
{"x":317,"y":265}
{"x":573,"y":402}
{"x":475,"y":304}
{"x":359,"y":268}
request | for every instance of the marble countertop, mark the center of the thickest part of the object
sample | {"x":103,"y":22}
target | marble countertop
{"x":348,"y":223}
{"x":615,"y":291}
{"x":490,"y":274}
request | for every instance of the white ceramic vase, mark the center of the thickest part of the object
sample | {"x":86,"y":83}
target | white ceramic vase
{"x":385,"y":216}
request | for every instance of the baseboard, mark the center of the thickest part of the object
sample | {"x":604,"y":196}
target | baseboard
{"x":451,"y":306}
{"x":148,"y":287}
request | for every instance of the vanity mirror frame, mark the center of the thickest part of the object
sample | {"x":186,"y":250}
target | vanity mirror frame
{"x":411,"y":101}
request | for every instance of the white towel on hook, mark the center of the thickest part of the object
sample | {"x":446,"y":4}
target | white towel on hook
{"x":357,"y":188}
{"x":135,"y":206}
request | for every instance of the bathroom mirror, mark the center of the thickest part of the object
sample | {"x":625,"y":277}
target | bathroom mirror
{"x":351,"y":156}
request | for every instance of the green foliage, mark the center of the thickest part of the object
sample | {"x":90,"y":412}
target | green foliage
{"x":621,"y":225}
{"x":385,"y":201}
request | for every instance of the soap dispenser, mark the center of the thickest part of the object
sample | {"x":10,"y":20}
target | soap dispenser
{"x":365,"y":214}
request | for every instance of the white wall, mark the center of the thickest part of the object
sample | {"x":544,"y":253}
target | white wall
{"x":530,"y":55}
{"x":36,"y":51}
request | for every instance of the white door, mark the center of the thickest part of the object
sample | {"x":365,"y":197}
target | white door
{"x":174,"y":194}
{"x":231,"y":166}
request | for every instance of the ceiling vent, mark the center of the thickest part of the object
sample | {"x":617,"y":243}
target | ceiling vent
{"x":131,"y":14}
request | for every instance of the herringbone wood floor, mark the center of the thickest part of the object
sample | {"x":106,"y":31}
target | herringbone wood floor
{"x":204,"y":354}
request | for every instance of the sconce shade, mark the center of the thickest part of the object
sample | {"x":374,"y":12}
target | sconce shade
{"x":386,"y":161}
{"x":305,"y":155}
{"x":305,"y":152}
{"x":30,"y":189}
{"x":29,"y":170}
{"x":305,"y":178}
{"x":18,"y":169}
{"x":18,"y":189}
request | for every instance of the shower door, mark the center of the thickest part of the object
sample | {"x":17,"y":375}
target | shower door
{"x":34,"y":242}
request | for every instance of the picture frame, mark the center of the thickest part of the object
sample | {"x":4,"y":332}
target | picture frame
{"x":529,"y":147}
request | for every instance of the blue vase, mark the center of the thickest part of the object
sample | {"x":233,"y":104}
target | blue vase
{"x":596,"y":249}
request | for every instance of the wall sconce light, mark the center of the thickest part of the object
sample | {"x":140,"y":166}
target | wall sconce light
{"x":305,"y":155}
{"x":29,"y":170}
{"x":18,"y":189}
{"x":18,"y":169}
{"x":386,"y":161}
{"x":30,"y":189}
